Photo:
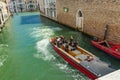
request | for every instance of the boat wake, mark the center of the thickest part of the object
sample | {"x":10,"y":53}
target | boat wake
{"x":69,"y":70}
{"x":45,"y":52}
{"x":42,"y":51}
{"x":43,"y":34}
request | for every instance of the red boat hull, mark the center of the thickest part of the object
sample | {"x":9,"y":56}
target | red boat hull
{"x":75,"y":64}
{"x":110,"y":51}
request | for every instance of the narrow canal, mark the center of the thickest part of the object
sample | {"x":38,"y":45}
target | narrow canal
{"x":25,"y":52}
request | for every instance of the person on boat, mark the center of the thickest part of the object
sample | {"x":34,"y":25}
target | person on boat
{"x":65,"y":41}
{"x":58,"y":42}
{"x":89,"y":58}
{"x":62,"y":39}
{"x":74,"y":46}
{"x":66,"y":47}
{"x":71,"y":40}
{"x":52,"y":40}
{"x":55,"y":41}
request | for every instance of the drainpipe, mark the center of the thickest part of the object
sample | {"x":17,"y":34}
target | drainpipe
{"x":105,"y":33}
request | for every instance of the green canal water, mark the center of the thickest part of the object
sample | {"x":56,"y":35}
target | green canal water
{"x":26,"y":54}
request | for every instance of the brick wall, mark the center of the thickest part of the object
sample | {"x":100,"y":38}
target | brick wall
{"x":96,"y":13}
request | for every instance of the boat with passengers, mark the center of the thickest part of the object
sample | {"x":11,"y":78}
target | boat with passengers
{"x":84,"y":61}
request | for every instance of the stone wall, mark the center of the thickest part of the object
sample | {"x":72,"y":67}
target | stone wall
{"x":96,"y":14}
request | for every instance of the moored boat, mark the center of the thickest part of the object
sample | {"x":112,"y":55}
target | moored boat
{"x":110,"y":48}
{"x":84,"y":61}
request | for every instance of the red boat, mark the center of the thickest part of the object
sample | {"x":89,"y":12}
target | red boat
{"x":110,"y":48}
{"x":84,"y":61}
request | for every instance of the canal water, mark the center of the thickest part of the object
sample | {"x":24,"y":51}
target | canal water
{"x":26,"y":54}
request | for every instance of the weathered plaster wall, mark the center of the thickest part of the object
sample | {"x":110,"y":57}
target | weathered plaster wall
{"x":96,"y":13}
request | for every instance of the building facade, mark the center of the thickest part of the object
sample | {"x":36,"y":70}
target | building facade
{"x":48,"y":8}
{"x":31,"y":5}
{"x":23,"y":5}
{"x":4,"y":14}
{"x":90,"y":16}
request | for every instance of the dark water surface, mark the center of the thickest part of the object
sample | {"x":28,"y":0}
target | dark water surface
{"x":25,"y":52}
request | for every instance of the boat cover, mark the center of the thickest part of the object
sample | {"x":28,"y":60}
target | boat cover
{"x":98,"y":67}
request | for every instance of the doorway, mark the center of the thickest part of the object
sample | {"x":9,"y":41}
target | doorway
{"x":79,"y":20}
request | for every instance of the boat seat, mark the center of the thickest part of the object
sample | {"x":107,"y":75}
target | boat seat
{"x":82,"y":57}
{"x":70,"y":47}
{"x":76,"y":52}
{"x":63,"y":47}
{"x":71,"y":53}
{"x":116,"y":48}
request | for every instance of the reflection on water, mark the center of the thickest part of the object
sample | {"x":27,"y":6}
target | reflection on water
{"x":3,"y":58}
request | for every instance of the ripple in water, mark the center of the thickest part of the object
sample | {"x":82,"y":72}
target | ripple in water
{"x":57,"y":29}
{"x":44,"y":32}
{"x":3,"y":45}
{"x":3,"y":59}
{"x":68,"y":70}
